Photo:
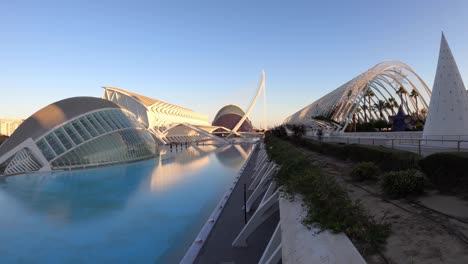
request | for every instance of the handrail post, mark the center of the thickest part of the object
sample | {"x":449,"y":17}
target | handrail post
{"x":458,"y":145}
{"x":392,"y":143}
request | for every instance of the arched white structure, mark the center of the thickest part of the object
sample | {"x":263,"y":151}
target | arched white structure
{"x":160,"y":117}
{"x":76,"y":132}
{"x":154,"y":113}
{"x":261,"y":87}
{"x":384,"y":79}
{"x":448,"y":110}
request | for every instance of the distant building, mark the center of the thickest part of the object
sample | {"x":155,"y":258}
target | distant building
{"x":9,"y":125}
{"x":229,"y":116}
{"x":168,"y":123}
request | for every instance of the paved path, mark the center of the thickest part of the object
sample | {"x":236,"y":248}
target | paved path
{"x":217,"y":248}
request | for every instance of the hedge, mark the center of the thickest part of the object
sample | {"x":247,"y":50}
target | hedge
{"x":402,"y":183}
{"x":327,"y":204}
{"x":387,"y":159}
{"x":448,"y":171}
{"x":365,"y":171}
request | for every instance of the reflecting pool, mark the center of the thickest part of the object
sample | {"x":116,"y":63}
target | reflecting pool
{"x":145,"y":212}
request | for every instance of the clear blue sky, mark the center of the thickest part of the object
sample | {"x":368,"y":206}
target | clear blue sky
{"x":205,"y":54}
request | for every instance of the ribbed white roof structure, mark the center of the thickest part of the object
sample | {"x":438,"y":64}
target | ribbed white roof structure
{"x":154,"y":113}
{"x":384,"y":80}
{"x":448,"y":109}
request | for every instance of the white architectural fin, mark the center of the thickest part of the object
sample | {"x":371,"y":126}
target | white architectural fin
{"x":448,"y":109}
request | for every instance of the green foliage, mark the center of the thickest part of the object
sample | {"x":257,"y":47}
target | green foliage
{"x":403,"y":183}
{"x":328,"y":204}
{"x":298,"y":130}
{"x":419,"y":126}
{"x":387,"y":159}
{"x":365,"y":171}
{"x":279,"y":131}
{"x":447,"y":171}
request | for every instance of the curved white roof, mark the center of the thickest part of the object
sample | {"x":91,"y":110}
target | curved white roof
{"x":384,"y":79}
{"x":229,"y":109}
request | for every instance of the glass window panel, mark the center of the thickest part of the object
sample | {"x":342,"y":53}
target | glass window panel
{"x":81,"y":130}
{"x":73,"y":134}
{"x":95,"y":124}
{"x":117,"y":119}
{"x":113,"y":118}
{"x":45,"y":149}
{"x":102,"y":122}
{"x":54,"y":143}
{"x":124,"y":119}
{"x":60,"y":133}
{"x":87,"y":125}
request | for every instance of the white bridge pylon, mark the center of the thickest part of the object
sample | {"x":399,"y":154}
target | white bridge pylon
{"x":261,"y":87}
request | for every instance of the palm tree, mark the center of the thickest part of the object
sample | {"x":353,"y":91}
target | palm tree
{"x":424,"y":113}
{"x":380,"y":106}
{"x":389,"y":106}
{"x":415,"y":95}
{"x":402,"y":91}
{"x":393,"y":103}
{"x":358,"y":110}
{"x":369,"y":93}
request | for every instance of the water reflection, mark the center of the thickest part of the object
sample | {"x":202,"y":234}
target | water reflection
{"x":139,"y":212}
{"x":232,"y":156}
{"x":176,"y":165}
{"x":75,"y":195}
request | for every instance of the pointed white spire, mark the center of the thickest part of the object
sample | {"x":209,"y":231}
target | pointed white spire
{"x":448,"y":109}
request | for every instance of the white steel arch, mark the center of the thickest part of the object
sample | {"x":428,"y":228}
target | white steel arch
{"x":261,"y":87}
{"x":384,"y":79}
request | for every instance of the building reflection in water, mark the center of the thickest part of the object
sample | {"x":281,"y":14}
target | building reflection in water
{"x":75,"y":195}
{"x":82,"y":194}
{"x":175,"y":166}
{"x":230,"y":157}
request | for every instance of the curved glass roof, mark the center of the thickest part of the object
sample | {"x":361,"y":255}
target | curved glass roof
{"x":51,"y":116}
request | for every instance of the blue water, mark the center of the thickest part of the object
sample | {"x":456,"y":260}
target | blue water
{"x":145,"y":212}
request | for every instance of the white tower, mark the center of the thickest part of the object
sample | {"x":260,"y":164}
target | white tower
{"x":448,"y":109}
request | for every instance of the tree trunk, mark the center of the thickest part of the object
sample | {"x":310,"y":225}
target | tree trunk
{"x":354,"y":122}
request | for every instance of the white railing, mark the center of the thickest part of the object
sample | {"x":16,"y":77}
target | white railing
{"x":423,"y":147}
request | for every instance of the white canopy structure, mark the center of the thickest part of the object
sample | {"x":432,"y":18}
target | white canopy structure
{"x":349,"y":102}
{"x":448,"y":111}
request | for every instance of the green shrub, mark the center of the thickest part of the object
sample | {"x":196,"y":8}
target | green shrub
{"x":365,"y":171}
{"x":386,"y":158}
{"x":403,"y":183}
{"x":447,"y":171}
{"x":327,"y":203}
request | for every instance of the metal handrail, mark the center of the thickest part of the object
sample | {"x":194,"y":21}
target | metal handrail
{"x":393,"y":140}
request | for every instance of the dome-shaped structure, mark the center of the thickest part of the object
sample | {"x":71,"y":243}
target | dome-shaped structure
{"x":229,"y":116}
{"x":73,"y":133}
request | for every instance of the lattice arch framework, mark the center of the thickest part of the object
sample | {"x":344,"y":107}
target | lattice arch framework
{"x":384,"y":79}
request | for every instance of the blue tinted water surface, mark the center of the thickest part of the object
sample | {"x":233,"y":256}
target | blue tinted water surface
{"x":145,"y":212}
